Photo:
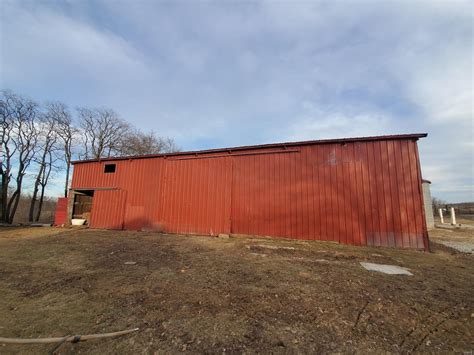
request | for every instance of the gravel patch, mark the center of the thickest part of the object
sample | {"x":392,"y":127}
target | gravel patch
{"x":464,"y":247}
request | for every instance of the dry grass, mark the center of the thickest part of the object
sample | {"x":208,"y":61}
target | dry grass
{"x":201,"y":294}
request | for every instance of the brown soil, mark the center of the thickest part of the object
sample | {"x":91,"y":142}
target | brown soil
{"x":202,"y":294}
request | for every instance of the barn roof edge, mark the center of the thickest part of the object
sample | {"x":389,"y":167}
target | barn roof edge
{"x":415,"y":136}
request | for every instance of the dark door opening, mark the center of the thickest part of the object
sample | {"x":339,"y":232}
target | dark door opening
{"x":83,"y":204}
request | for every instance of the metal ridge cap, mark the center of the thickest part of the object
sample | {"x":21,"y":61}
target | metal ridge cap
{"x":262,"y":146}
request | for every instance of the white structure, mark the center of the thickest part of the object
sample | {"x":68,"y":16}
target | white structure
{"x":428,"y":204}
{"x":453,"y":216}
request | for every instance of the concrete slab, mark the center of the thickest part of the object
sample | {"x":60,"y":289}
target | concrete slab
{"x":454,"y":226}
{"x":273,"y":247}
{"x":386,"y":269}
{"x":464,"y":247}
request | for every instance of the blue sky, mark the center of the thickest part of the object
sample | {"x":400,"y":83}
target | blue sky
{"x":226,"y":73}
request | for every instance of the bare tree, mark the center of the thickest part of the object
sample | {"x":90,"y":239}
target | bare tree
{"x":19,"y":140}
{"x":437,"y":204}
{"x":138,"y":143}
{"x":49,"y":165}
{"x":66,"y":133}
{"x":169,"y":145}
{"x":47,"y":142}
{"x":102,"y":132}
{"x":44,"y":139}
{"x":8,"y":151}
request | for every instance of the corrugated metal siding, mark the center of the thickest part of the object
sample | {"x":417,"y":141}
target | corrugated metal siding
{"x":360,"y":193}
{"x":60,"y":215}
{"x":108,"y":209}
{"x":196,"y":196}
{"x":141,"y":179}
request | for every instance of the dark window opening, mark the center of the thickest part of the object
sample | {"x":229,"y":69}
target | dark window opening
{"x":109,"y":168}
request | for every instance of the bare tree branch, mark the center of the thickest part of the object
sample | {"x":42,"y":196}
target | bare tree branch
{"x":139,"y":143}
{"x":47,"y":140}
{"x":19,"y":116}
{"x":102,"y":132}
{"x":66,"y":134}
{"x":47,"y":144}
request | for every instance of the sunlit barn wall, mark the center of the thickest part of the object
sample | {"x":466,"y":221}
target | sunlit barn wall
{"x":361,"y":192}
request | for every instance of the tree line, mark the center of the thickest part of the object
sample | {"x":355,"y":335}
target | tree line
{"x":41,"y":140}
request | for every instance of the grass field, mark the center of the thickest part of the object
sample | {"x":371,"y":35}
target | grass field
{"x":202,"y":294}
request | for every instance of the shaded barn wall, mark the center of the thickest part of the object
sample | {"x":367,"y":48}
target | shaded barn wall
{"x":428,"y":205}
{"x":60,"y":215}
{"x":360,"y":193}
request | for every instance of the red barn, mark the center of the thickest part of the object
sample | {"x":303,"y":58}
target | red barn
{"x":359,"y":191}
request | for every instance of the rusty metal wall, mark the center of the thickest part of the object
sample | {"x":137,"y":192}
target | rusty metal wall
{"x":60,"y":214}
{"x":359,"y":193}
{"x":108,"y":209}
{"x":355,"y":193}
{"x":196,"y":196}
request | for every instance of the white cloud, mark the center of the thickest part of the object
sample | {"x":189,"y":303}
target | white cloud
{"x":439,"y":78}
{"x":220,"y":73}
{"x":46,"y":46}
{"x":325,"y":123}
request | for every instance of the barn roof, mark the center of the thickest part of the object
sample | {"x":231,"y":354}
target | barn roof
{"x":414,"y":136}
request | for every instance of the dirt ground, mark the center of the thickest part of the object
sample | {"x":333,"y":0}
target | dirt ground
{"x":201,"y":294}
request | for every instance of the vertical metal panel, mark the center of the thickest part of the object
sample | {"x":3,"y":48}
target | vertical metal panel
{"x":108,"y":209}
{"x":359,"y":189}
{"x":60,"y":214}
{"x":360,"y":193}
{"x":269,"y":196}
{"x":196,"y":197}
{"x":343,"y":194}
{"x":92,"y":175}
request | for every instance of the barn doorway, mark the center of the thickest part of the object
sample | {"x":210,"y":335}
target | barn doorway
{"x":83,"y":204}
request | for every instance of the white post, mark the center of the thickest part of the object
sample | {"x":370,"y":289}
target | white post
{"x":441,"y":215}
{"x":453,"y":216}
